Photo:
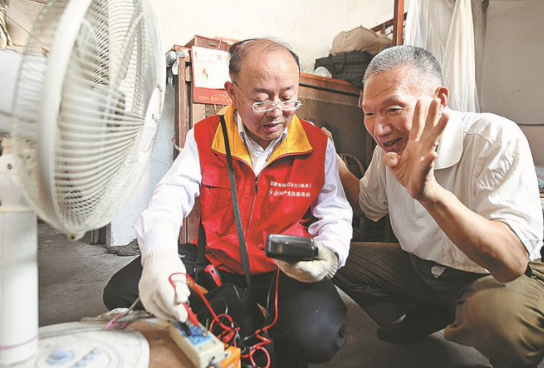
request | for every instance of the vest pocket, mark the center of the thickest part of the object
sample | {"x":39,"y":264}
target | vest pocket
{"x":215,"y":191}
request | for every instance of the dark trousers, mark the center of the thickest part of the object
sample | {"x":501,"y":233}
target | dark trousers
{"x":311,"y":317}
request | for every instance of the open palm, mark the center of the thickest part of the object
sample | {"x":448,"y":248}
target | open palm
{"x":413,"y":168}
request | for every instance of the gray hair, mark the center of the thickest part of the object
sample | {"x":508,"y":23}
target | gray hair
{"x":240,"y":50}
{"x":425,"y":67}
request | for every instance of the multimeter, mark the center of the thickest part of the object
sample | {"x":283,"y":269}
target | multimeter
{"x":290,"y":248}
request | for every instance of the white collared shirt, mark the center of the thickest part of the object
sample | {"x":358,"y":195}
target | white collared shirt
{"x":259,"y":156}
{"x":486,"y":162}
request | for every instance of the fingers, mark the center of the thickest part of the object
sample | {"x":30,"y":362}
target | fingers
{"x":181,"y":292}
{"x":429,"y":122}
{"x":391,"y":160}
{"x":433,"y":129}
{"x":442,"y":123}
{"x":280,"y":263}
{"x":321,"y":251}
{"x":162,"y":286}
{"x":293,"y":270}
{"x":311,"y":271}
{"x":170,"y":313}
{"x":285,"y":266}
{"x":420,"y":112}
{"x":327,"y":133}
{"x":180,"y":313}
{"x":161,"y":308}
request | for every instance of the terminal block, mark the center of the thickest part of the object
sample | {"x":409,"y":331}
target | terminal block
{"x":200,"y":346}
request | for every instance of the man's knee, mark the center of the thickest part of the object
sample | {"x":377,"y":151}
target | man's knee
{"x":112,"y":298}
{"x":312,"y":324}
{"x":314,"y":345}
{"x":500,"y":322}
{"x":121,"y":291}
{"x":323,"y":348}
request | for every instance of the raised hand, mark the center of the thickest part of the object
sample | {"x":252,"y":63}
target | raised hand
{"x":414,"y":167}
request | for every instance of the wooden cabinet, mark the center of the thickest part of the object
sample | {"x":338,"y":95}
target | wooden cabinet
{"x":334,"y":104}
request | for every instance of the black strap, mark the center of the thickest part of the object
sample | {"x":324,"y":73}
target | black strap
{"x":239,"y":229}
{"x":200,"y":263}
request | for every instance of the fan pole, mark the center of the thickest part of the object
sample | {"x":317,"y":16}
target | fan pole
{"x":18,"y":269}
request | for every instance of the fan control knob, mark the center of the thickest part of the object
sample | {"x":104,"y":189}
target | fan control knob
{"x":60,"y":356}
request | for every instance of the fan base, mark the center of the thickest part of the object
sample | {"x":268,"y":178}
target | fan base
{"x":89,"y":345}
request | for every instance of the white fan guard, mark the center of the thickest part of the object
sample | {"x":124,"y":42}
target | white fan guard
{"x":86,"y":113}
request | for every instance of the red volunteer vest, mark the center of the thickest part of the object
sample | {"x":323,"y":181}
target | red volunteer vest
{"x":277,"y":201}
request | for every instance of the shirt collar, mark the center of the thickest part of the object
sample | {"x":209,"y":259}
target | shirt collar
{"x":296,"y":142}
{"x":450,"y":146}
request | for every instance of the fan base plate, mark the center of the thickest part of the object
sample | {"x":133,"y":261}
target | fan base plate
{"x":89,"y":345}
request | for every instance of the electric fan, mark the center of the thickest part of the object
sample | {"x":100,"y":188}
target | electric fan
{"x":82,"y":105}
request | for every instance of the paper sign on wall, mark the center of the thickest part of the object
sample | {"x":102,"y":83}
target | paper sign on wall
{"x":210,"y":72}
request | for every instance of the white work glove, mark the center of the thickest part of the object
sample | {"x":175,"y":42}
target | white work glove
{"x":158,"y":295}
{"x":324,"y":265}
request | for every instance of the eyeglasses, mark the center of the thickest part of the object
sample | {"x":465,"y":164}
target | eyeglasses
{"x":266,"y":106}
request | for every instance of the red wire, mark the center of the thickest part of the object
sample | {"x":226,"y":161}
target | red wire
{"x":191,"y":316}
{"x":230,"y":329}
{"x":264,"y":341}
{"x":230,"y":332}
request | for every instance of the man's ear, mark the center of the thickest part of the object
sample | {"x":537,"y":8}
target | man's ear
{"x":230,"y":87}
{"x":443,"y":94}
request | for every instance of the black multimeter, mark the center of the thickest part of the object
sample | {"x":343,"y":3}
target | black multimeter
{"x":290,"y":248}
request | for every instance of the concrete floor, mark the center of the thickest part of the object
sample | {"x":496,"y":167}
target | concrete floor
{"x":72,"y":276}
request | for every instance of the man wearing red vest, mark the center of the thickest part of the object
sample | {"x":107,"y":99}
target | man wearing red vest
{"x":286,"y":181}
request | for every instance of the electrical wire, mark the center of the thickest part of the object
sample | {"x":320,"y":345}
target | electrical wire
{"x":122,"y":320}
{"x":260,"y":347}
{"x":226,"y":330}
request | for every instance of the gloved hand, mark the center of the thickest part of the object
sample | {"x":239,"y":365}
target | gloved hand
{"x":158,"y":295}
{"x":324,"y":265}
